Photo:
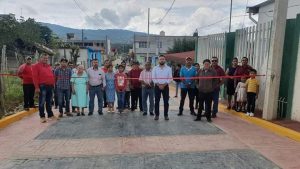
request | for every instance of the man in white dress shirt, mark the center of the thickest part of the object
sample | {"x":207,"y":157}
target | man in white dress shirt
{"x":96,"y":86}
{"x":162,"y":76}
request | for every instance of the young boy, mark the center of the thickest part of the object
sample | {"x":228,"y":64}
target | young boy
{"x":252,"y":86}
{"x":121,"y":83}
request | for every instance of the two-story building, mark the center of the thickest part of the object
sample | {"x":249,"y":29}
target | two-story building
{"x":158,"y":44}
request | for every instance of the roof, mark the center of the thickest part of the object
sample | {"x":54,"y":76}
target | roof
{"x":255,"y":9}
{"x":179,"y":57}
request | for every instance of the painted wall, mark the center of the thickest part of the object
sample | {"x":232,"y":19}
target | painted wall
{"x":266,"y":12}
{"x":295,"y":102}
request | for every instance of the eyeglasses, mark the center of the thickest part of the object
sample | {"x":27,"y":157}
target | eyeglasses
{"x":214,"y":61}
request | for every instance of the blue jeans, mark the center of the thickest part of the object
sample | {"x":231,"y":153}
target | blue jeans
{"x":216,"y":94}
{"x":148,"y":92}
{"x":121,"y":100}
{"x":63,"y":96}
{"x":93,"y":91}
{"x":46,"y":92}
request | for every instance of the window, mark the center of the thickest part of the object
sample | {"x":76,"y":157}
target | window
{"x":159,"y":45}
{"x":142,"y":44}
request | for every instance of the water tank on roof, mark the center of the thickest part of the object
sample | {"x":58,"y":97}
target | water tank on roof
{"x":162,"y":33}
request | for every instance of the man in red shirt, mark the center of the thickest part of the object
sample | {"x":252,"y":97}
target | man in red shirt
{"x":43,"y":79}
{"x":135,"y":86}
{"x":242,"y":70}
{"x":220,"y":72}
{"x":25,"y":73}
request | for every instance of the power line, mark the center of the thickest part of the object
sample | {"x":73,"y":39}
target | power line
{"x":84,"y":12}
{"x":159,"y":22}
{"x":223,"y":19}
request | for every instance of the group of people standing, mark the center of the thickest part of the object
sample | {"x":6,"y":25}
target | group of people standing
{"x":143,"y":86}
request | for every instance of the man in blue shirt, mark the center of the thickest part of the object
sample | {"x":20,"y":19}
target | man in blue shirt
{"x":187,"y":85}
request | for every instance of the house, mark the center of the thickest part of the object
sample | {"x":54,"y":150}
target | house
{"x":88,"y":49}
{"x":289,"y":94}
{"x":158,"y":44}
{"x":265,"y":10}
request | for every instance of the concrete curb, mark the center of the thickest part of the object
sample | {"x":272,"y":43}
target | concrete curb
{"x":16,"y":117}
{"x":277,"y":129}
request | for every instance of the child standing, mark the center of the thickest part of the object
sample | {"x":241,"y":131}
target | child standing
{"x":121,"y":83}
{"x":110,"y":88}
{"x":252,"y":86}
{"x":241,"y":93}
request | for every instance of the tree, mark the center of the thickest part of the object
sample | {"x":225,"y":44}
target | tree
{"x":74,"y":53}
{"x":183,"y":45}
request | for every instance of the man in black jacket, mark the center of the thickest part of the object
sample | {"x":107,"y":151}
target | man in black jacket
{"x":206,"y":89}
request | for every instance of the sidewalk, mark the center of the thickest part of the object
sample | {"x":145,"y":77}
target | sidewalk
{"x":133,"y":141}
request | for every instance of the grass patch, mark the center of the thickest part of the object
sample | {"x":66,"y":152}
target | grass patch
{"x":13,"y":96}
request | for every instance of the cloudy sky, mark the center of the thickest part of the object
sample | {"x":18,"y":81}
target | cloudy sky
{"x":184,"y":18}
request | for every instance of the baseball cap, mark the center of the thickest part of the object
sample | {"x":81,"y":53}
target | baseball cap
{"x":187,"y":58}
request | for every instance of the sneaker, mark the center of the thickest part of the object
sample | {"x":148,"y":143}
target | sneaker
{"x":193,"y":114}
{"x":43,"y":120}
{"x":100,"y":113}
{"x":60,"y":115}
{"x":69,"y":114}
{"x":167,"y":118}
{"x":53,"y":118}
{"x":198,"y":119}
{"x":145,"y":114}
{"x":151,"y":114}
{"x":90,"y":114}
{"x":82,"y":114}
{"x":78,"y":114}
{"x":156,"y":117}
{"x":251,"y":114}
{"x":209,"y":120}
{"x":248,"y":114}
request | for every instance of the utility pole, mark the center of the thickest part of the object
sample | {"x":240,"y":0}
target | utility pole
{"x":82,"y":35}
{"x":148,"y":45}
{"x":275,"y":60}
{"x":230,"y":15}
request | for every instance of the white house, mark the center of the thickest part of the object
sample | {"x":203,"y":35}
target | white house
{"x":159,"y":44}
{"x":265,"y":10}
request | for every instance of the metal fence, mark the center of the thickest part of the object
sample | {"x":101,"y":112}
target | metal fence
{"x":212,"y":45}
{"x":254,"y":43}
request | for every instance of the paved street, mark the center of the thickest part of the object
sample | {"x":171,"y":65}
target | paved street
{"x":130,"y":140}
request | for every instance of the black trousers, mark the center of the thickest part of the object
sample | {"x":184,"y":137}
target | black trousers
{"x":127,"y":99}
{"x":165,"y":94}
{"x":183,"y":93}
{"x":28,"y":91}
{"x":136,"y":97}
{"x":104,"y":99}
{"x":205,"y":98}
{"x":251,"y":98}
{"x":196,"y":93}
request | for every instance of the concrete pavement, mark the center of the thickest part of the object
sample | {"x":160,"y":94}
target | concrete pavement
{"x":131,"y":140}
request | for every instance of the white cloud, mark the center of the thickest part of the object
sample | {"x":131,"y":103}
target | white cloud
{"x":183,"y":19}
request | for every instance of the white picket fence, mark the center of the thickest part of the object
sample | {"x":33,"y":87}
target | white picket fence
{"x":211,"y":45}
{"x":254,"y":43}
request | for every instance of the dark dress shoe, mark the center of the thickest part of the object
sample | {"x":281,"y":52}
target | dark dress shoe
{"x":179,"y":114}
{"x":156,"y":118}
{"x":90,"y":113}
{"x":214,"y":115}
{"x":197,"y":119}
{"x":151,"y":114}
{"x":167,"y":118}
